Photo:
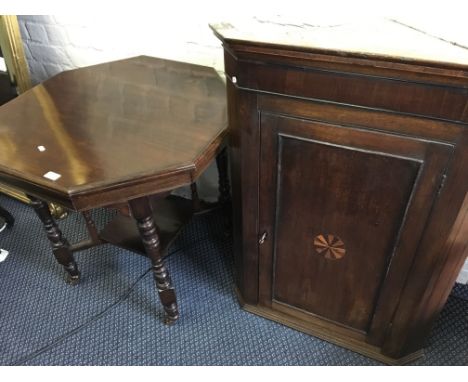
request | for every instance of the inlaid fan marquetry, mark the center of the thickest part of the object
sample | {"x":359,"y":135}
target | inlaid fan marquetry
{"x":331,"y":246}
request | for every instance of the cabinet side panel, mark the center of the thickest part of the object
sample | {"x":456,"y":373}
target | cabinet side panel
{"x":243,"y":152}
{"x":456,"y":251}
{"x":235,"y":177}
{"x":434,"y":265}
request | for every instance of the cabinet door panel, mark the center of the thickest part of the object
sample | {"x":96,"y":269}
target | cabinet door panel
{"x":335,"y":202}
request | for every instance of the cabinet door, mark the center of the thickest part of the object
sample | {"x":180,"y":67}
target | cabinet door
{"x":342,"y":210}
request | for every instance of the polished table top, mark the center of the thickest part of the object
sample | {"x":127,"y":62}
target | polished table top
{"x":109,"y":132}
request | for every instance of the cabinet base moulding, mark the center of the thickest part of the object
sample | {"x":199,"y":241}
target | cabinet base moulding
{"x":333,"y":337}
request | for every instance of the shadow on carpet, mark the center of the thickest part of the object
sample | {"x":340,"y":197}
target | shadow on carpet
{"x":113,"y":317}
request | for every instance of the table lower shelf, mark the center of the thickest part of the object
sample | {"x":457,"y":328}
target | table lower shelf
{"x":170,"y":215}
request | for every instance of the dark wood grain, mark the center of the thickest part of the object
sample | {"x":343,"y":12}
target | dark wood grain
{"x":244,"y":137}
{"x":223,"y":181}
{"x":455,"y":252}
{"x":353,"y":168}
{"x":143,"y":213}
{"x":60,"y":245}
{"x":124,"y":127}
{"x":170,"y":215}
{"x":123,"y":135}
{"x":360,"y":188}
{"x":434,"y":264}
{"x":444,"y":102}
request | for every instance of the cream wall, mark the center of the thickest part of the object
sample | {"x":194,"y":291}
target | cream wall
{"x":179,"y":29}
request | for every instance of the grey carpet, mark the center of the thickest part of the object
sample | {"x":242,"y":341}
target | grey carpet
{"x":113,"y":316}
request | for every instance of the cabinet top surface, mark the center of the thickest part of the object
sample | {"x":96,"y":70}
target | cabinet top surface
{"x":110,"y":123}
{"x":379,"y":38}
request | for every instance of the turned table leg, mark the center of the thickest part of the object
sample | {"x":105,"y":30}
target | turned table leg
{"x":223,"y":182}
{"x":143,"y":214}
{"x":60,"y":246}
{"x":224,"y":188}
{"x":196,"y":202}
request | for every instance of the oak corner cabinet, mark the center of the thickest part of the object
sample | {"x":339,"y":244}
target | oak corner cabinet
{"x":349,"y":171}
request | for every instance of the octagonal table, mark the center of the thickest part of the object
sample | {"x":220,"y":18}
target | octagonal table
{"x":121,"y":134}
